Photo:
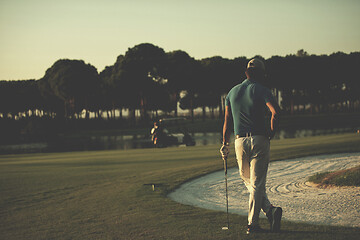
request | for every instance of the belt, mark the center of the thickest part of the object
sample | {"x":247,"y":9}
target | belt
{"x":249,"y":134}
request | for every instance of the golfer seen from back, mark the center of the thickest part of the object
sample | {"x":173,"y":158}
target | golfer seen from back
{"x":247,"y":105}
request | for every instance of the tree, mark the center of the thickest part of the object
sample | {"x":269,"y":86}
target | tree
{"x":301,"y":53}
{"x":138,"y":70}
{"x":73,"y":82}
{"x":218,"y":76}
{"x":109,"y":92}
{"x":19,"y":98}
{"x":180,"y":72}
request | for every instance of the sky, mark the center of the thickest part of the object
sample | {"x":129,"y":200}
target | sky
{"x":36,"y":33}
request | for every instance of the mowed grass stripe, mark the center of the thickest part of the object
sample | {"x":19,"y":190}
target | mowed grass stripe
{"x":134,"y":155}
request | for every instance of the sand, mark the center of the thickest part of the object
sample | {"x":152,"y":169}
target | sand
{"x":287,"y":187}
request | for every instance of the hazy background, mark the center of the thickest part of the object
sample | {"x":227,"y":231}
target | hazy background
{"x":36,"y":33}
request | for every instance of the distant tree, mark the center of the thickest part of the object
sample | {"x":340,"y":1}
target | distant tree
{"x":109,"y":92}
{"x":218,"y":76}
{"x":351,"y":83}
{"x":18,"y":98}
{"x":6,"y":98}
{"x":180,"y":71}
{"x":301,"y":53}
{"x":30,"y":96}
{"x":73,"y":82}
{"x":138,"y":71}
{"x":189,"y":101}
{"x":148,"y":79}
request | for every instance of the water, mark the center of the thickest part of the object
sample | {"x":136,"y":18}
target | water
{"x":111,"y":142}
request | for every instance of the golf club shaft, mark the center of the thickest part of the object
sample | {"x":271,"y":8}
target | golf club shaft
{"x":226,"y":189}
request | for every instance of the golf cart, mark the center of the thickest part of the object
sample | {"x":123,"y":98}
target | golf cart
{"x":178,"y":135}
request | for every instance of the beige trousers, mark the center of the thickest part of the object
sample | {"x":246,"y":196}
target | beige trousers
{"x":253,"y":156}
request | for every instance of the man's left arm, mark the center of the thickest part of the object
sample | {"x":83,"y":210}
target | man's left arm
{"x":226,"y":127}
{"x":274,"y":122}
{"x":224,"y":150}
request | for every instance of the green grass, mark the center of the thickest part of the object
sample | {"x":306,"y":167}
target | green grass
{"x":106,"y":194}
{"x":348,"y":177}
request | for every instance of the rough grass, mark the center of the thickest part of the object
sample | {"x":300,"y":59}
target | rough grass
{"x":348,"y":177}
{"x":108,"y":194}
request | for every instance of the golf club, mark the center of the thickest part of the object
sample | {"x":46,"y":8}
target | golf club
{"x":227,"y":201}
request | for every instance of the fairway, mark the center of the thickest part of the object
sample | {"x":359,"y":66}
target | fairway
{"x":109,"y":195}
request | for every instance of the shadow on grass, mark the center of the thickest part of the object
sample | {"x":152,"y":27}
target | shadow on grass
{"x":299,"y":231}
{"x":324,"y":232}
{"x":301,"y":234}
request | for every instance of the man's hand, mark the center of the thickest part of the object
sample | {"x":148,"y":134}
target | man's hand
{"x":271,"y":135}
{"x":224,"y":150}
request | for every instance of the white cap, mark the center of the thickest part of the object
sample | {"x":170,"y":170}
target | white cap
{"x":256,"y":63}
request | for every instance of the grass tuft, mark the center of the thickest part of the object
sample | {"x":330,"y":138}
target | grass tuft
{"x":318,"y":177}
{"x":348,"y":177}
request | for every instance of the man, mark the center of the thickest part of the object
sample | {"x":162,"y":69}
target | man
{"x":157,"y":134}
{"x":247,"y":104}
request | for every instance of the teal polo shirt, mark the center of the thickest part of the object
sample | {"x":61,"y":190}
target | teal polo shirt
{"x":248,"y":107}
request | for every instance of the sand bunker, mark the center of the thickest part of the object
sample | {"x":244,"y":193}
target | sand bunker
{"x":287,"y":187}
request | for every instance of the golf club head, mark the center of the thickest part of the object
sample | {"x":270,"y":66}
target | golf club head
{"x":225,"y":228}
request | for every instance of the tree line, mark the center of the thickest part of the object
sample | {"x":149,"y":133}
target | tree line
{"x":151,"y":81}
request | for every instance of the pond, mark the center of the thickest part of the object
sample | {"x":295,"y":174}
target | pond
{"x":112,"y":142}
